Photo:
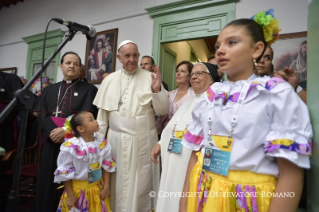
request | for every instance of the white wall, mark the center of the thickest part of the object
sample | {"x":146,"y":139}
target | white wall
{"x":201,"y":49}
{"x":182,"y":49}
{"x":31,"y":16}
{"x":292,"y":14}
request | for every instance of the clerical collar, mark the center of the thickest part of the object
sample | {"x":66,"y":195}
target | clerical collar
{"x":129,"y":73}
{"x":71,"y":81}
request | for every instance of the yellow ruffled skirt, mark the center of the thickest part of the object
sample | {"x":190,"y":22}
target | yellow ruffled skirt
{"x":88,"y":197}
{"x":242,"y":191}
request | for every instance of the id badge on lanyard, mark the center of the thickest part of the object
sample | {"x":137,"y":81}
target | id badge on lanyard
{"x":175,"y":143}
{"x":218,"y":148}
{"x":94,"y":172}
{"x":217,"y":155}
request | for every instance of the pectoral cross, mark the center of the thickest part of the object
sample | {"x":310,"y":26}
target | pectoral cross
{"x":119,"y":104}
{"x":56,"y":113}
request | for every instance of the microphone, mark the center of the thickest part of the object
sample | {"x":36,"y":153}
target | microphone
{"x":87,"y":30}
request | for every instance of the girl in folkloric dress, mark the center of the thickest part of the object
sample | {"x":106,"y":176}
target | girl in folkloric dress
{"x":84,"y":164}
{"x":257,"y":129}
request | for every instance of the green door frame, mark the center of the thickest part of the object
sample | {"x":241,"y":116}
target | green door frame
{"x":35,"y":43}
{"x":171,"y":86}
{"x":187,"y":20}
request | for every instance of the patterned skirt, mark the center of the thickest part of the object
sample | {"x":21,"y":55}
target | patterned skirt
{"x":88,"y":197}
{"x":240,"y":191}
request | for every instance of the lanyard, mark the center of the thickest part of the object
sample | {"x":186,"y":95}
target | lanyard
{"x":180,"y":115}
{"x":237,"y":107}
{"x":171,"y":106}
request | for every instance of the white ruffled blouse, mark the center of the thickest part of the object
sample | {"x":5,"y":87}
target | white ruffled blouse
{"x":76,"y":154}
{"x":272,"y":122}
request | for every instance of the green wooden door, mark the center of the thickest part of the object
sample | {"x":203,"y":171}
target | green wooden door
{"x":168,"y":65}
{"x":34,"y":59}
{"x":313,"y":104}
{"x":189,"y":20}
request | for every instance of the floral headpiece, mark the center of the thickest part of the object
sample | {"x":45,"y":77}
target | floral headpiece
{"x":267,"y":21}
{"x":68,"y":132}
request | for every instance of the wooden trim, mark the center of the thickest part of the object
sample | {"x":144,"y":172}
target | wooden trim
{"x":180,"y":6}
{"x":89,"y":46}
{"x":14,"y":69}
{"x":293,"y":35}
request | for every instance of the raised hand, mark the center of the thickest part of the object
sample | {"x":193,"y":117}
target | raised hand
{"x":156,"y":80}
{"x":105,"y":192}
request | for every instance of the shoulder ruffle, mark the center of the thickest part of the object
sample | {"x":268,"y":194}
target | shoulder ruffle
{"x":193,"y":138}
{"x":81,"y":150}
{"x":108,"y":165}
{"x":212,"y":91}
{"x":221,"y":90}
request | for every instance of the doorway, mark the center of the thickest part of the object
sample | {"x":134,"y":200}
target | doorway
{"x":171,"y":54}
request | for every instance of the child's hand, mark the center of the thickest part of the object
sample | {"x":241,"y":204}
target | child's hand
{"x":70,"y":201}
{"x":104,"y":193}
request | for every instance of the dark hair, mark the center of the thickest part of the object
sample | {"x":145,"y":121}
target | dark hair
{"x":89,"y":64}
{"x":304,"y":42}
{"x":99,"y":40}
{"x":272,"y":51}
{"x":152,"y":60}
{"x":76,"y":121}
{"x":188,"y":64}
{"x":272,"y":69}
{"x":111,"y":45}
{"x":213,"y":71}
{"x":211,"y":57}
{"x":66,"y":53}
{"x":253,"y":29}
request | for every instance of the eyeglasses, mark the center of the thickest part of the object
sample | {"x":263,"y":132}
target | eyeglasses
{"x":199,"y":73}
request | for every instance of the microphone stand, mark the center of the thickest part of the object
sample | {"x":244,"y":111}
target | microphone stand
{"x":24,"y":98}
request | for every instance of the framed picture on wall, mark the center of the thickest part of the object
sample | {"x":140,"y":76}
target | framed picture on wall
{"x":291,"y":51}
{"x":100,"y":55}
{"x":12,"y":70}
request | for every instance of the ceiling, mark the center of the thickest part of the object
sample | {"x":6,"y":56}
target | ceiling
{"x":7,"y":3}
{"x":210,"y":42}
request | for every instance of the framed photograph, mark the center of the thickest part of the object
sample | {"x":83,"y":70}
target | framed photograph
{"x":291,"y":51}
{"x":12,"y":70}
{"x":100,"y":55}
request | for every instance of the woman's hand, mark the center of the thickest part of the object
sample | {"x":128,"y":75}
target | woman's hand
{"x":71,"y":201}
{"x":104,"y":193}
{"x":156,"y":151}
{"x":289,"y":75}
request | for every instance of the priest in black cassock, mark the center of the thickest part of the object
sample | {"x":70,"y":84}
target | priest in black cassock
{"x":60,"y":100}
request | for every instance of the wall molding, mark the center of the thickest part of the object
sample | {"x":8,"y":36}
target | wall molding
{"x":184,"y":5}
{"x":189,"y":19}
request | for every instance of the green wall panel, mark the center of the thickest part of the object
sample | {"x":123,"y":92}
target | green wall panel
{"x":35,"y":43}
{"x":186,"y":20}
{"x":313,"y":104}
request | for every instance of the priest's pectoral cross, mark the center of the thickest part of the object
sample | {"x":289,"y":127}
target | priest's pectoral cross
{"x":119,"y":104}
{"x":56,"y":113}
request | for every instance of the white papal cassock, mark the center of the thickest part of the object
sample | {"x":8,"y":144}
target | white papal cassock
{"x":132,"y":135}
